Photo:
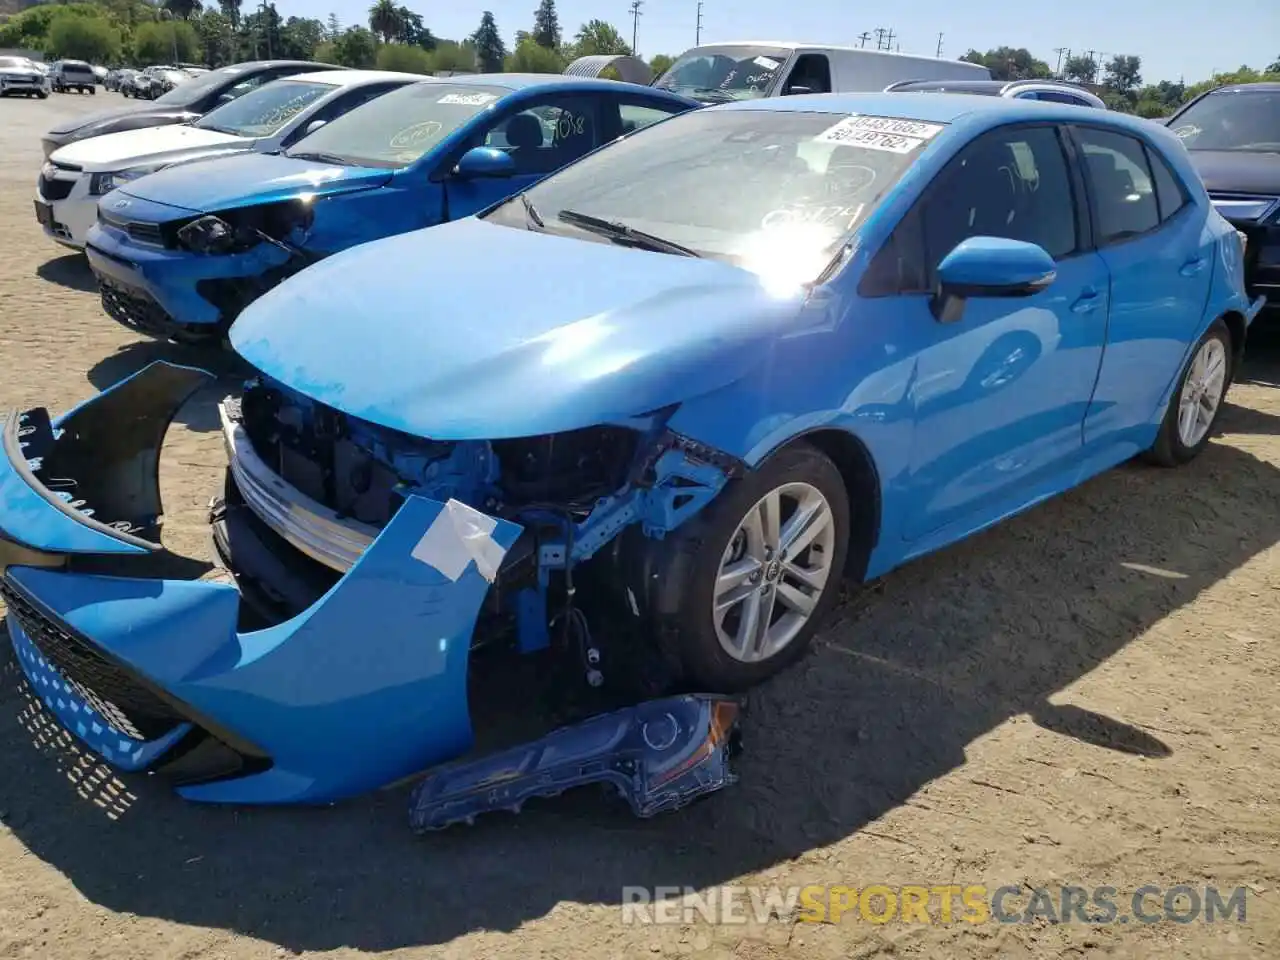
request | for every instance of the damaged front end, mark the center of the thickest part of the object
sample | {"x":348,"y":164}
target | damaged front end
{"x":376,"y":561}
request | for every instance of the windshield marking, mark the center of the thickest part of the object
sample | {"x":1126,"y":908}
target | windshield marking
{"x":468,"y":99}
{"x":767,"y":62}
{"x":890,"y":134}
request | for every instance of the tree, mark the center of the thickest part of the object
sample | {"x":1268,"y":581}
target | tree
{"x":384,"y":20}
{"x":413,"y":31}
{"x":1010,"y":63}
{"x":490,"y":50}
{"x":1123,"y":74}
{"x":83,"y":38}
{"x":404,"y":58}
{"x":449,"y":56}
{"x":217,"y":38}
{"x":300,"y":37}
{"x":661,"y":64}
{"x":531,"y":57}
{"x":1274,"y":67}
{"x":183,"y":9}
{"x":546,"y":25}
{"x":356,"y":47}
{"x":1080,"y":69}
{"x":231,"y":10}
{"x":598,"y":37}
{"x":165,"y":42}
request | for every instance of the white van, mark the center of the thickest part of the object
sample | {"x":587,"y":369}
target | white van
{"x":745,"y":69}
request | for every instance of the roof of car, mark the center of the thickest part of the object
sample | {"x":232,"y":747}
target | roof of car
{"x":523,"y":81}
{"x":346,"y":78}
{"x":1258,"y":86}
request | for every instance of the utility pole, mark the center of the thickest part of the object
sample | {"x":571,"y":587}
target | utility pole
{"x":266,"y":26}
{"x":635,"y":22}
{"x":888,"y":42}
{"x":880,"y":32}
{"x":863,"y":37}
{"x":1060,"y":51}
{"x":938,"y":53}
{"x":697,"y":36}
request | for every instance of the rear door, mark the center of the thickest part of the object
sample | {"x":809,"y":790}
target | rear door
{"x":1159,"y":253}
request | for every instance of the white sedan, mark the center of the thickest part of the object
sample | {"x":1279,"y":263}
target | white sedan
{"x":272,"y":117}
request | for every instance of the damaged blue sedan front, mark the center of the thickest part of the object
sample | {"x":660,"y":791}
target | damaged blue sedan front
{"x":684,"y":385}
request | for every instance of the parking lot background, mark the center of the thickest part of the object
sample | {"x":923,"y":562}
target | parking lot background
{"x":1086,"y":695}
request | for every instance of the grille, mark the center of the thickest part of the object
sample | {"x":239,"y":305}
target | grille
{"x":142,"y":232}
{"x":55,"y":189}
{"x":134,"y":309}
{"x":109,"y":689}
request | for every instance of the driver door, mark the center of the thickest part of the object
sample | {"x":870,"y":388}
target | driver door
{"x":541,"y":136}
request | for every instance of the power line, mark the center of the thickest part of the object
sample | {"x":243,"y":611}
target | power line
{"x":635,"y":22}
{"x":863,"y":37}
{"x":1060,"y":51}
{"x":697,"y":36}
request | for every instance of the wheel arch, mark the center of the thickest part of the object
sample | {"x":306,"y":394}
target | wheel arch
{"x":1238,"y":327}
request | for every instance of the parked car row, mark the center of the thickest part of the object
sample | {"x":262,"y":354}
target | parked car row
{"x":534,"y":356}
{"x":19,"y":75}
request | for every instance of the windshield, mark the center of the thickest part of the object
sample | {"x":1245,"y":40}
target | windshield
{"x":262,"y":112}
{"x":724,"y":73}
{"x":1232,"y":120}
{"x":775,"y":192}
{"x":398,"y":128}
{"x":196,"y":87}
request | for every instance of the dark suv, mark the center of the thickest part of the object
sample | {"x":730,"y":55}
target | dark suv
{"x":1233,"y":135}
{"x":68,"y":75}
{"x":185,"y":102}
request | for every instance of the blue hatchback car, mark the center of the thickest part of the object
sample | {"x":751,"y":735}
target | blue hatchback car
{"x":180,"y":253}
{"x":717,"y":367}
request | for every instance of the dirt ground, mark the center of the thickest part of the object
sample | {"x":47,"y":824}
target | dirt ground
{"x":1087,"y":695}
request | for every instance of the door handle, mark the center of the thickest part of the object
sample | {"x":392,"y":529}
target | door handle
{"x":1087,"y":302}
{"x":1192,"y":266}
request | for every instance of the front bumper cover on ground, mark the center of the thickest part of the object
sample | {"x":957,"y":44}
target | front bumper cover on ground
{"x":363,"y":688}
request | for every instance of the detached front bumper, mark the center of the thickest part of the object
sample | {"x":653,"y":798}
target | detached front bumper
{"x":361,"y":689}
{"x":158,"y":290}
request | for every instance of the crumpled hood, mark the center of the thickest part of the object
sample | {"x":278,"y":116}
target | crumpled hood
{"x":476,"y":331}
{"x":248,"y":179}
{"x":115,"y":151}
{"x":1238,"y":171}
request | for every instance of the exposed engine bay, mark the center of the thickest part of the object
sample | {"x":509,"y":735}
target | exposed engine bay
{"x":310,"y":487}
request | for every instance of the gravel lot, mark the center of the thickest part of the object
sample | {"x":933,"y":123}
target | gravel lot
{"x":1087,"y":695}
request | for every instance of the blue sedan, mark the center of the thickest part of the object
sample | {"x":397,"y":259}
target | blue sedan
{"x":712,"y":369}
{"x":180,"y":253}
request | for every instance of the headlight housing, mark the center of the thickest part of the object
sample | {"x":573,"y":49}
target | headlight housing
{"x":213,"y":235}
{"x":102,"y":183}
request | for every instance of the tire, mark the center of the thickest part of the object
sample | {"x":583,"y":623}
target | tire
{"x":691,"y":560}
{"x":43,"y":96}
{"x":1208,"y":372}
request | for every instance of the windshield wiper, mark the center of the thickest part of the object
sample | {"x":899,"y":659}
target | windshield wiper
{"x":532,"y":213}
{"x":621,"y":233}
{"x":714,"y":93}
{"x":320,"y":157}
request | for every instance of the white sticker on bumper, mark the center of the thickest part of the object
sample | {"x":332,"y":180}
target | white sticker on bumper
{"x":458,"y":535}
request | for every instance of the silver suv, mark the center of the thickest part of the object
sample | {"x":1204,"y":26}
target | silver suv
{"x":1054,"y":91}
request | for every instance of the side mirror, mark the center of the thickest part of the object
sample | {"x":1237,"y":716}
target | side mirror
{"x":225,"y":98}
{"x":482,"y":162}
{"x":989,"y":267}
{"x":313,"y":126}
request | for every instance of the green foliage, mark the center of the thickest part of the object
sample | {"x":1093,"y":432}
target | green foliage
{"x":1010,"y":63}
{"x":661,"y":64}
{"x":531,"y":57}
{"x":94,"y":39}
{"x":356,"y":47}
{"x":449,"y":56}
{"x":1242,"y":75}
{"x":1123,"y":74}
{"x":165,"y":42}
{"x":490,"y":50}
{"x":300,"y":37}
{"x":1080,"y":69}
{"x":182,"y":9}
{"x":546,"y":26}
{"x":598,"y":37}
{"x":403,"y":58}
{"x":217,"y":38}
{"x":384,"y":20}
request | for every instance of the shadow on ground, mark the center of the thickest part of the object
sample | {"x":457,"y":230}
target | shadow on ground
{"x":906,"y":676}
{"x":70,"y":271}
{"x":198,"y":413}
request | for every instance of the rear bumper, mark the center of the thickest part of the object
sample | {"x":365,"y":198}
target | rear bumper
{"x":160,"y":287}
{"x":154,"y":674}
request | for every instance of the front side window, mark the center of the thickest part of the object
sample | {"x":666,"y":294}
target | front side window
{"x":776,"y":192}
{"x":1246,"y":120}
{"x":399,"y":128}
{"x":636,"y":117}
{"x":547,"y":135}
{"x":206,"y":83}
{"x":264,"y":111}
{"x":721,"y":74}
{"x":1124,"y":197}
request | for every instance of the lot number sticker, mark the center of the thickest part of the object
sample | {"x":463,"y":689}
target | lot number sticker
{"x":468,"y":99}
{"x":890,"y":134}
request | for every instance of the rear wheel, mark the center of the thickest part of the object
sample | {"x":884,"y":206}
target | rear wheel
{"x":1197,"y":400}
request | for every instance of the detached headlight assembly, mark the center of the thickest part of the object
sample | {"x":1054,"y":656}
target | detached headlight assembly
{"x":210,"y":234}
{"x":106,"y":182}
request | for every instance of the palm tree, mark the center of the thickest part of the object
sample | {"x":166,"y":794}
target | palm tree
{"x":385,"y":21}
{"x":231,"y":10}
{"x":183,"y":8}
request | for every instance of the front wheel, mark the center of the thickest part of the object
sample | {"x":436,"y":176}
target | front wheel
{"x":1197,"y":400}
{"x":757,"y":570}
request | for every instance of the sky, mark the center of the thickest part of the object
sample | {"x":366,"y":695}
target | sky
{"x":1175,"y":38}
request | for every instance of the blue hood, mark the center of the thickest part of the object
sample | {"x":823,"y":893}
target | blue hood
{"x":248,"y":179}
{"x":476,"y":331}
